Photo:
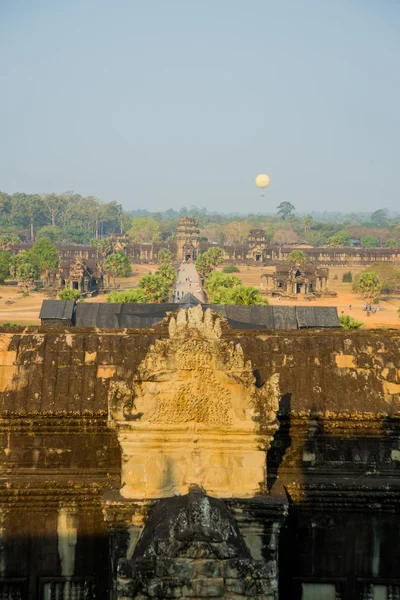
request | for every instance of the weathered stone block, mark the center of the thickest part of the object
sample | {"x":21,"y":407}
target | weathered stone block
{"x":188,"y":591}
{"x":208,"y":568}
{"x":209,"y":588}
{"x":164,"y":588}
{"x":183,"y":568}
{"x":235,"y":585}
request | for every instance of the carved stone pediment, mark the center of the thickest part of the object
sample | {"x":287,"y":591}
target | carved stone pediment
{"x":193,"y":415}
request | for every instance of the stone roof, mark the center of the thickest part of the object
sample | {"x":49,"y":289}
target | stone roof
{"x":57,"y":309}
{"x":143,"y":316}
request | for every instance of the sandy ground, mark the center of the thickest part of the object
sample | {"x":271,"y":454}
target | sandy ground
{"x":25,"y":310}
{"x":386,"y":317}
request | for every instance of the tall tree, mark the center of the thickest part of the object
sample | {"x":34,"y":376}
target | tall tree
{"x":285,"y":236}
{"x":215,"y":256}
{"x":285,"y":209}
{"x":307,"y":222}
{"x":155,"y":287}
{"x":5,"y":264}
{"x":24,"y":269}
{"x":54,"y":205}
{"x":368,"y":284}
{"x":44,"y":254}
{"x":117,"y":264}
{"x":164,"y":256}
{"x":28,"y":210}
{"x":369,"y":241}
{"x":144,"y":230}
{"x":340,"y":239}
{"x":298,"y":256}
{"x":379,"y":218}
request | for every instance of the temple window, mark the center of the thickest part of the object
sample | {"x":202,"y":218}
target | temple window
{"x":372,"y":591}
{"x":318,"y":591}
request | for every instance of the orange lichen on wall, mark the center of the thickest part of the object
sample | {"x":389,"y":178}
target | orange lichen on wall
{"x":345,"y":361}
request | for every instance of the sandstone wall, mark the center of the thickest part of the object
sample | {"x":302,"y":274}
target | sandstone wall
{"x":323,"y":371}
{"x":336,"y":450}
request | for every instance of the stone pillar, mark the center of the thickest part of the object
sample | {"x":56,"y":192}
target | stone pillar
{"x":67,"y":531}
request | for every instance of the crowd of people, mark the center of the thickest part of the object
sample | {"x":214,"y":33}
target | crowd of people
{"x":371,"y":309}
{"x":368,"y":308}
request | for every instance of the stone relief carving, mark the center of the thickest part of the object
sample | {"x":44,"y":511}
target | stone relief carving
{"x":192,"y":547}
{"x":192,"y":416}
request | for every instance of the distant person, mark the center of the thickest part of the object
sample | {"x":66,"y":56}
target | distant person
{"x":349,"y":306}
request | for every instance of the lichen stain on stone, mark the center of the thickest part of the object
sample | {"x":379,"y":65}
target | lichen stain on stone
{"x":345,"y":361}
{"x":391,"y":389}
{"x":106,"y":372}
{"x":90,"y":357}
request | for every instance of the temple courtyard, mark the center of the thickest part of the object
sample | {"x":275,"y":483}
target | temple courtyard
{"x":24,"y":310}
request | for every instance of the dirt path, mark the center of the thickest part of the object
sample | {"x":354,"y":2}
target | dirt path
{"x":188,"y":280}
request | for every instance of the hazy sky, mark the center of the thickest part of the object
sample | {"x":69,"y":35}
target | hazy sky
{"x":169,"y":103}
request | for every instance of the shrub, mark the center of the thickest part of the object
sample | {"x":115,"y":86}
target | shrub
{"x":369,"y":241}
{"x":368,"y":284}
{"x":231,"y":269}
{"x":335,"y":277}
{"x":117,"y":264}
{"x":298,"y":256}
{"x":347,"y":277}
{"x":339,"y":239}
{"x":127,"y":296}
{"x":69,"y":295}
{"x":347,"y":322}
{"x":239,"y":294}
{"x":44,"y":254}
{"x":164,"y":256}
{"x":376,"y":301}
{"x":215,"y":281}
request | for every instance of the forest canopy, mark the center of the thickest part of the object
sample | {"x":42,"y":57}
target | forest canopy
{"x":70,"y":218}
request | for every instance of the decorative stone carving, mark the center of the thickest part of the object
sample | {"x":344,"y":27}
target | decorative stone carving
{"x":193,"y":415}
{"x":192,"y":547}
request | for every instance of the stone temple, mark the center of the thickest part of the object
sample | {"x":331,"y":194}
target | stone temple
{"x":291,"y":280}
{"x":193,"y":459}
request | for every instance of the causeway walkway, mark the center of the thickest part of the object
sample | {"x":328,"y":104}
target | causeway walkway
{"x":188,"y":280}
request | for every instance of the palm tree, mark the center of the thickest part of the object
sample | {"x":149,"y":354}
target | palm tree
{"x":247,"y":295}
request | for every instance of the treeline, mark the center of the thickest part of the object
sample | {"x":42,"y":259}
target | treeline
{"x":64,"y":218}
{"x":70,"y":218}
{"x":285,"y":228}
